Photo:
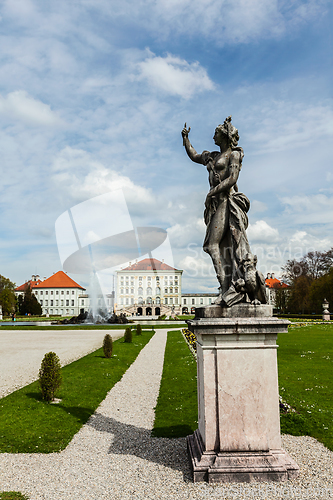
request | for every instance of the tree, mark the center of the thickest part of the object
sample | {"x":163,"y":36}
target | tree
{"x":298,"y":299}
{"x":50,"y":375}
{"x":7,"y":295}
{"x":30,"y":304}
{"x":321,"y":289}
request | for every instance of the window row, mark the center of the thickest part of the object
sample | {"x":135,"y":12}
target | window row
{"x":62,"y":302}
{"x":41,"y":292}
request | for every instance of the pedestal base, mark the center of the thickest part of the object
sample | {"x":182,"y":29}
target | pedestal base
{"x":225,"y":467}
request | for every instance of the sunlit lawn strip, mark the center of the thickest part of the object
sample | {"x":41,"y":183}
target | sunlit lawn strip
{"x":176,"y":412}
{"x":305,"y":361}
{"x":12,"y":495}
{"x":30,"y":425}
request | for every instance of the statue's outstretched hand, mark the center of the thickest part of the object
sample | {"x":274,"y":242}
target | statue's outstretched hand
{"x":185,"y":133}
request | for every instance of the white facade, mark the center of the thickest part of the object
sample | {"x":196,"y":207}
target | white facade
{"x":150,"y":288}
{"x":192,"y":300}
{"x":61,"y":301}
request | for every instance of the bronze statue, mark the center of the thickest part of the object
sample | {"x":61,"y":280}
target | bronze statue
{"x":226,"y":218}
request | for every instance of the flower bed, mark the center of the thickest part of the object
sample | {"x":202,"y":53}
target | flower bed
{"x":190,"y":340}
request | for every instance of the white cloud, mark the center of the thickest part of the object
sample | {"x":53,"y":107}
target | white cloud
{"x":310,"y":209}
{"x":82,"y":177}
{"x":174,"y":75}
{"x":261,"y":231}
{"x":19,"y":105}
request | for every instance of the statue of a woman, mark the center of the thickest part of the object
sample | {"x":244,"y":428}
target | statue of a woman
{"x":225,"y":212}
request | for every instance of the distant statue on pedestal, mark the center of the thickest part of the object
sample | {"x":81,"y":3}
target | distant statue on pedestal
{"x":226,"y":220}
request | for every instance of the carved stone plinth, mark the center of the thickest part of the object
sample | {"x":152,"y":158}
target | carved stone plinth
{"x":238,"y":438}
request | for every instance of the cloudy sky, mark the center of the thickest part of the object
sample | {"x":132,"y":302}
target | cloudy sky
{"x":93,"y":97}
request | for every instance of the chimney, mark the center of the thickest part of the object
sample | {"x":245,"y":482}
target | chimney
{"x":273,"y":276}
{"x":268,"y":276}
{"x":33,"y":278}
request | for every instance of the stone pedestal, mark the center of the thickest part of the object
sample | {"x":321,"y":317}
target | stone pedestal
{"x":238,"y":438}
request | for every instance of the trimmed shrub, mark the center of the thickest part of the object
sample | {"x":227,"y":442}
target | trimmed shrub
{"x":128,"y":335}
{"x":50,"y":375}
{"x":107,"y":346}
{"x":138,"y":329}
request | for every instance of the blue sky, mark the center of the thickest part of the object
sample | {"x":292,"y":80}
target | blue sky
{"x":94,"y":94}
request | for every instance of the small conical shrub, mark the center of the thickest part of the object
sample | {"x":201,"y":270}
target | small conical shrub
{"x":107,"y":346}
{"x":50,"y":375}
{"x":139,"y":330}
{"x":128,"y":335}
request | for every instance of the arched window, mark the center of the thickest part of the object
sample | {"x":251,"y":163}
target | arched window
{"x":176,"y":290}
{"x":171,"y":289}
{"x":121,"y":290}
{"x":149,"y":300}
{"x":126,"y":291}
{"x":149,"y":291}
{"x":132,"y":291}
{"x":140,"y":300}
{"x":158,"y":300}
{"x":140,"y":290}
{"x":158,"y":290}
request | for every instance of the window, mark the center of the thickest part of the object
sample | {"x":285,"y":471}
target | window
{"x":127,"y":301}
{"x":140,"y":290}
{"x":62,"y":292}
{"x":62,"y":303}
{"x":46,"y":292}
{"x":56,"y":311}
{"x":132,"y":291}
{"x":51,"y":302}
{"x":51,"y":292}
{"x":165,"y":290}
{"x":171,"y":300}
{"x":126,"y":291}
{"x":158,"y":290}
{"x":41,"y":292}
{"x":176,"y":290}
{"x":176,"y":300}
{"x":184,"y":301}
{"x":132,"y":301}
{"x":72,"y":311}
{"x":41,"y":302}
{"x":51,"y":311}
{"x":121,"y":290}
{"x":170,"y":289}
{"x":46,"y":302}
{"x":165,"y":301}
{"x":82,"y":302}
{"x":149,"y":278}
{"x":201,"y":301}
{"x":149,"y":300}
{"x":149,"y":290}
{"x":57,"y":292}
{"x":57,"y":302}
{"x":209,"y":301}
{"x":158,"y":300}
{"x":73,"y":291}
{"x":140,"y":300}
{"x":72,"y":302}
{"x":67,"y":302}
{"x":67,"y":292}
{"x":193,"y":301}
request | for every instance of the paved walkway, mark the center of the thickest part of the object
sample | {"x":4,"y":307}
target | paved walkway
{"x":22,"y":351}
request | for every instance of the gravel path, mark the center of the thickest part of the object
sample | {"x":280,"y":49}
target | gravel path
{"x":22,"y":351}
{"x":113,"y":456}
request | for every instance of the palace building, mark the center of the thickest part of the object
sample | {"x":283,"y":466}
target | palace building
{"x":149,"y":287}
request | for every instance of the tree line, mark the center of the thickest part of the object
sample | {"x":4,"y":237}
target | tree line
{"x":310,"y":281}
{"x":26,"y":304}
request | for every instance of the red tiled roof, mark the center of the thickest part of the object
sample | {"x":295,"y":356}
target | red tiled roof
{"x":275,"y":283}
{"x":24,"y":287}
{"x":149,"y":265}
{"x":59,"y":280}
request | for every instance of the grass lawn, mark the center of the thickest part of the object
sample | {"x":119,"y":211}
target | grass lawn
{"x":12,"y":495}
{"x":176,"y":412}
{"x":30,"y":425}
{"x":305,"y":362}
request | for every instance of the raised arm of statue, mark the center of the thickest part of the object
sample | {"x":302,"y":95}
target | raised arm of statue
{"x":191,"y":152}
